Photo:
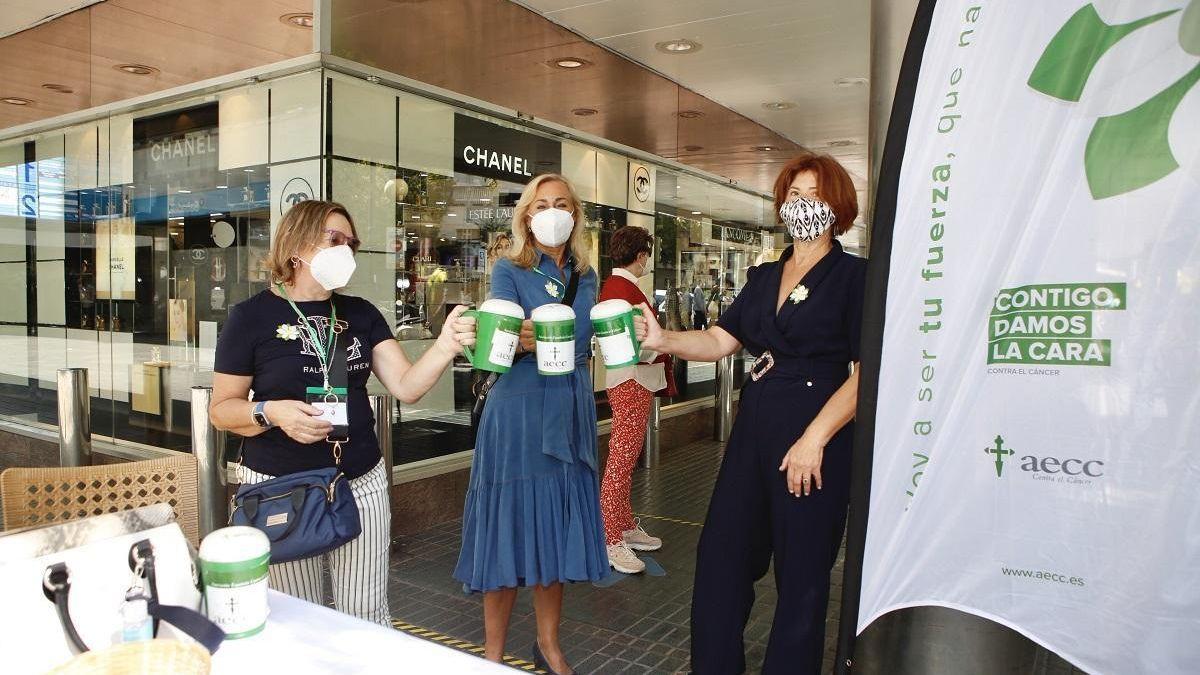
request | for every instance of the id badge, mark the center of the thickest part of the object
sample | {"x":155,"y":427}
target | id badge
{"x":333,"y":407}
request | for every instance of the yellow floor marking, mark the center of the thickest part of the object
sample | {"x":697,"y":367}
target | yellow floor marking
{"x":669,"y":520}
{"x":461,"y":645}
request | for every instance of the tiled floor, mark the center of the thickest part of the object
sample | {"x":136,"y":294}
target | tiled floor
{"x":637,"y":625}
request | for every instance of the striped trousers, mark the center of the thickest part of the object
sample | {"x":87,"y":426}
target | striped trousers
{"x":359,"y":568}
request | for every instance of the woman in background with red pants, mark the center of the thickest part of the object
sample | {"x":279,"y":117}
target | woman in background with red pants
{"x":630,"y":393}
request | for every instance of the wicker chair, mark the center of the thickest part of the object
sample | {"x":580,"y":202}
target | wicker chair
{"x":53,"y":495}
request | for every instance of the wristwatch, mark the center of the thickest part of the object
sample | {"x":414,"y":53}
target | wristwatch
{"x":259,"y":415}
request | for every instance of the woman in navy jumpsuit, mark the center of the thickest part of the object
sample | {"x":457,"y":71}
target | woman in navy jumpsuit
{"x":784,"y":483}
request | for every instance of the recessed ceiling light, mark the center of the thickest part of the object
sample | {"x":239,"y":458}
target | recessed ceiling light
{"x":850,"y":81}
{"x":451,"y":215}
{"x":841,"y":143}
{"x":136,"y":69}
{"x":690,"y":114}
{"x":219,"y":187}
{"x":248,"y":170}
{"x":440,"y":203}
{"x":778,"y":105}
{"x":60,"y":88}
{"x":695,"y":213}
{"x":678,"y":46}
{"x":484,"y":199}
{"x":16,"y":100}
{"x":765,"y":148}
{"x":584,"y":112}
{"x":183,"y":191}
{"x":693,"y":148}
{"x":570,"y":63}
{"x":298,"y":19}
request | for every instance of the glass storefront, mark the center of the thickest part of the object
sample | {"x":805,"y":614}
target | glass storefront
{"x":125,"y":240}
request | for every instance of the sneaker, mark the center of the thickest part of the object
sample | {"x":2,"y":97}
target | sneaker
{"x":624,"y":560}
{"x":638,"y":540}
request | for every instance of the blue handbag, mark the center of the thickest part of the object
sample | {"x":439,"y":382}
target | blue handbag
{"x":303,"y":514}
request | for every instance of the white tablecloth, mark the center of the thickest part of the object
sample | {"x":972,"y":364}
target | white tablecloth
{"x":301,"y":637}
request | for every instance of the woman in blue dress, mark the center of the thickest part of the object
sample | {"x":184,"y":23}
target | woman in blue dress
{"x":532,"y":514}
{"x":784,"y":482}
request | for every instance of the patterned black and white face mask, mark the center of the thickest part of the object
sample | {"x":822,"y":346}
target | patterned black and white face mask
{"x":806,"y":219}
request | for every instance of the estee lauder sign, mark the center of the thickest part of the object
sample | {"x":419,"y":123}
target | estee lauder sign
{"x":485,"y":149}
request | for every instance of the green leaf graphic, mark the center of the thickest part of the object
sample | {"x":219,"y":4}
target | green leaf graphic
{"x":1068,"y":60}
{"x":1130,"y":150}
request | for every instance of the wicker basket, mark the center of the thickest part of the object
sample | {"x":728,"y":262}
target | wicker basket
{"x":34,"y":497}
{"x":149,"y":657}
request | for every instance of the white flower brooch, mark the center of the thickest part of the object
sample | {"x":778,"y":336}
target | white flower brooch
{"x":552,"y":289}
{"x":799,"y":294}
{"x":287,"y":331}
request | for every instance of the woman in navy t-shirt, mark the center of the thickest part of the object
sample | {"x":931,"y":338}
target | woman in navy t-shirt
{"x":279,"y":346}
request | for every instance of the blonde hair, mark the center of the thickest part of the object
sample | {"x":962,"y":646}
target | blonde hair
{"x":499,"y":246}
{"x":302,"y":226}
{"x":523,"y":253}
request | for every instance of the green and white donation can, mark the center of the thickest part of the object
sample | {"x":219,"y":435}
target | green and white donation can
{"x":233,"y":567}
{"x":613,"y":322}
{"x":554,"y":331}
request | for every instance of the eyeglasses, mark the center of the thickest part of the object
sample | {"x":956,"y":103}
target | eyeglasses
{"x":339,"y":238}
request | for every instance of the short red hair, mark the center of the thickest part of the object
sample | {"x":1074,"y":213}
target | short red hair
{"x":834,"y":187}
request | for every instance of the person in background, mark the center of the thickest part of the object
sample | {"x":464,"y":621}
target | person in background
{"x":631,"y":390}
{"x":699,"y":308}
{"x":784,"y":482}
{"x":498,"y":248}
{"x":277,"y":344}
{"x":532,"y":512}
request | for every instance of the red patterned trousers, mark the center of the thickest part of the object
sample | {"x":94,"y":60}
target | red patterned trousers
{"x":630,"y":403}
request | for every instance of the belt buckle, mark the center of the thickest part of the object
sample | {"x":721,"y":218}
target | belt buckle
{"x":762,"y":364}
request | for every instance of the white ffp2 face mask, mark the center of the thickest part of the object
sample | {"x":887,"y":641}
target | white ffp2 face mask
{"x":332,"y":267}
{"x":552,"y":227}
{"x":646,"y":270}
{"x":806,"y":218}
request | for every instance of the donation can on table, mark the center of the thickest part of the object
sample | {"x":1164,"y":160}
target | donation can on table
{"x":233,"y":566}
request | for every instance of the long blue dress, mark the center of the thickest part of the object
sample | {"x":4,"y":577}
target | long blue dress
{"x":532,"y":512}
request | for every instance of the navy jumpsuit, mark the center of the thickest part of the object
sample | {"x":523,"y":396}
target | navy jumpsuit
{"x":752,"y":516}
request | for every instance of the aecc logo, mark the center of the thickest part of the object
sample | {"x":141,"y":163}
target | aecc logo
{"x":1046,"y":466}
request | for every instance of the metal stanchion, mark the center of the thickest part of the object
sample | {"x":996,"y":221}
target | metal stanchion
{"x":74,"y":418}
{"x":384,"y":408}
{"x":650,"y":451}
{"x":723,"y":410}
{"x":208,"y":445}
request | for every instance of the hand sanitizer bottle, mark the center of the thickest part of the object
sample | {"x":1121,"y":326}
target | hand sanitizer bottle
{"x":135,"y":617}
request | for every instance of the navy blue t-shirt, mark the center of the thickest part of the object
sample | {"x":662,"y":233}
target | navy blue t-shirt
{"x":264,"y":338}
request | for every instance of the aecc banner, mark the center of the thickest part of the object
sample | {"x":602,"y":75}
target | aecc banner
{"x":1039,"y":387}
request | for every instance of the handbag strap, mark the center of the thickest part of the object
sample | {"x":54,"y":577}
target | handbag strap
{"x":56,"y":584}
{"x":572,"y":284}
{"x":141,"y":563}
{"x":194,"y":624}
{"x":339,"y":378}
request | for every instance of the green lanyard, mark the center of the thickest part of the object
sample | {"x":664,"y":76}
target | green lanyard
{"x":324,"y":351}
